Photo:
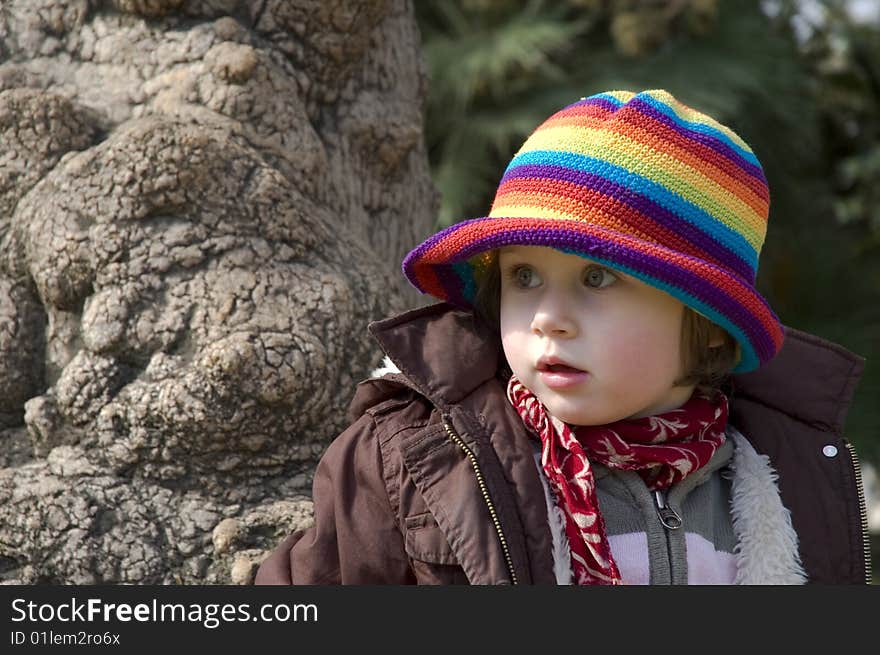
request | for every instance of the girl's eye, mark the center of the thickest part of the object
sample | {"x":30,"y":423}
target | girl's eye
{"x":593,"y":277}
{"x":524,"y":276}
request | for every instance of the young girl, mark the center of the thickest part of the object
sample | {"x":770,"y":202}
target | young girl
{"x":603,"y":397}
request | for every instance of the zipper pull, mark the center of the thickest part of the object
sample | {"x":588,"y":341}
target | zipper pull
{"x":668,"y":516}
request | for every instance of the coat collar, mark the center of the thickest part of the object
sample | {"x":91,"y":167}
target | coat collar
{"x":811,"y":379}
{"x":443,"y":352}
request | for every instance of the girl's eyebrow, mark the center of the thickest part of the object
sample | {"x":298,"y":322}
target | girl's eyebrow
{"x":516,"y":250}
{"x":513,"y":250}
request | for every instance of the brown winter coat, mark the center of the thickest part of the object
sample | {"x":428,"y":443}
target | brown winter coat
{"x":435,"y":482}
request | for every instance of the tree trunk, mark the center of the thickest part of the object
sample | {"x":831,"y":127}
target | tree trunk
{"x":202,"y":205}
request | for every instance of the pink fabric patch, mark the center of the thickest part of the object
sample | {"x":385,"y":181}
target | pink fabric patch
{"x":630,"y":551}
{"x":707,"y":565}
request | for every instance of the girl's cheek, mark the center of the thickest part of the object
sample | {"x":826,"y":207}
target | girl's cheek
{"x":627,"y":344}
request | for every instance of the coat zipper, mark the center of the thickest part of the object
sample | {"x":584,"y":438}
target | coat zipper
{"x":863,"y":510}
{"x":481,"y":482}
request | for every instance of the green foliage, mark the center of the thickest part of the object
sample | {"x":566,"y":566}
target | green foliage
{"x":845,"y":60}
{"x":809,"y":109}
{"x":494,"y":76}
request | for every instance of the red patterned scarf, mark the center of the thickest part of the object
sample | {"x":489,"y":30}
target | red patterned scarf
{"x":663,"y":448}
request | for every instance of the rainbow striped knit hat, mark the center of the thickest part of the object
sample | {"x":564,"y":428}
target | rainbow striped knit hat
{"x":641,"y":183}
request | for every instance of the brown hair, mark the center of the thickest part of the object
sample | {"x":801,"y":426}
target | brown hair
{"x":705,"y":367}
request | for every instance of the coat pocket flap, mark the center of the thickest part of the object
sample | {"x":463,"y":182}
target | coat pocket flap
{"x":426,"y":542}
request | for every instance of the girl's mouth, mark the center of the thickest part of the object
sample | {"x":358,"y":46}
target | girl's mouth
{"x":558,"y":376}
{"x":562,"y":368}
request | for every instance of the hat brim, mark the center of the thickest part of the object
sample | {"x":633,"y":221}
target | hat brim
{"x":444,"y":267}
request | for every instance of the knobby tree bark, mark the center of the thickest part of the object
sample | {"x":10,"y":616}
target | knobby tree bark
{"x":202,"y":205}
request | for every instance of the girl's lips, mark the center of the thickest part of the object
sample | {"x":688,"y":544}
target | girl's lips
{"x":562,"y":377}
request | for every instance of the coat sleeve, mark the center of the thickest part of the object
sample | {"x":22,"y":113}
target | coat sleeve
{"x":355,"y":538}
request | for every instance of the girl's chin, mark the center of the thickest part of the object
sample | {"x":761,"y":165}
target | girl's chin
{"x":567,"y":415}
{"x":579,"y":418}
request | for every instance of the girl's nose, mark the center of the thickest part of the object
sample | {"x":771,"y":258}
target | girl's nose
{"x":553,"y":318}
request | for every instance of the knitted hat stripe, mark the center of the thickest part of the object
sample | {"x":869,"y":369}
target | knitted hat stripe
{"x":440,"y":282}
{"x":704,"y":161}
{"x":703,"y":135}
{"x":610,"y":218}
{"x":745,"y":245}
{"x":658,"y":168}
{"x":648,"y":217}
{"x":691,"y":123}
{"x":655,"y":201}
{"x":600,"y":101}
{"x":642,"y":183}
{"x":694,"y":121}
{"x":737,"y":150}
{"x":715,"y":287}
{"x":720,"y":153}
{"x":714,"y":152}
{"x":610,"y":211}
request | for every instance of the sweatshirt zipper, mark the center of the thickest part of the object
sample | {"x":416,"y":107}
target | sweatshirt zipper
{"x":863,"y":509}
{"x":671,"y":521}
{"x":668,"y":516}
{"x":484,"y":490}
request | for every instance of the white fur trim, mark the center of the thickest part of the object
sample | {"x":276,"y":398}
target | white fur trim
{"x":767,"y":545}
{"x":561,"y":547}
{"x":387,"y":367}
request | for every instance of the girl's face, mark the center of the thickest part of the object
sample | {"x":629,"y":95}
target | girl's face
{"x":622,"y":334}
